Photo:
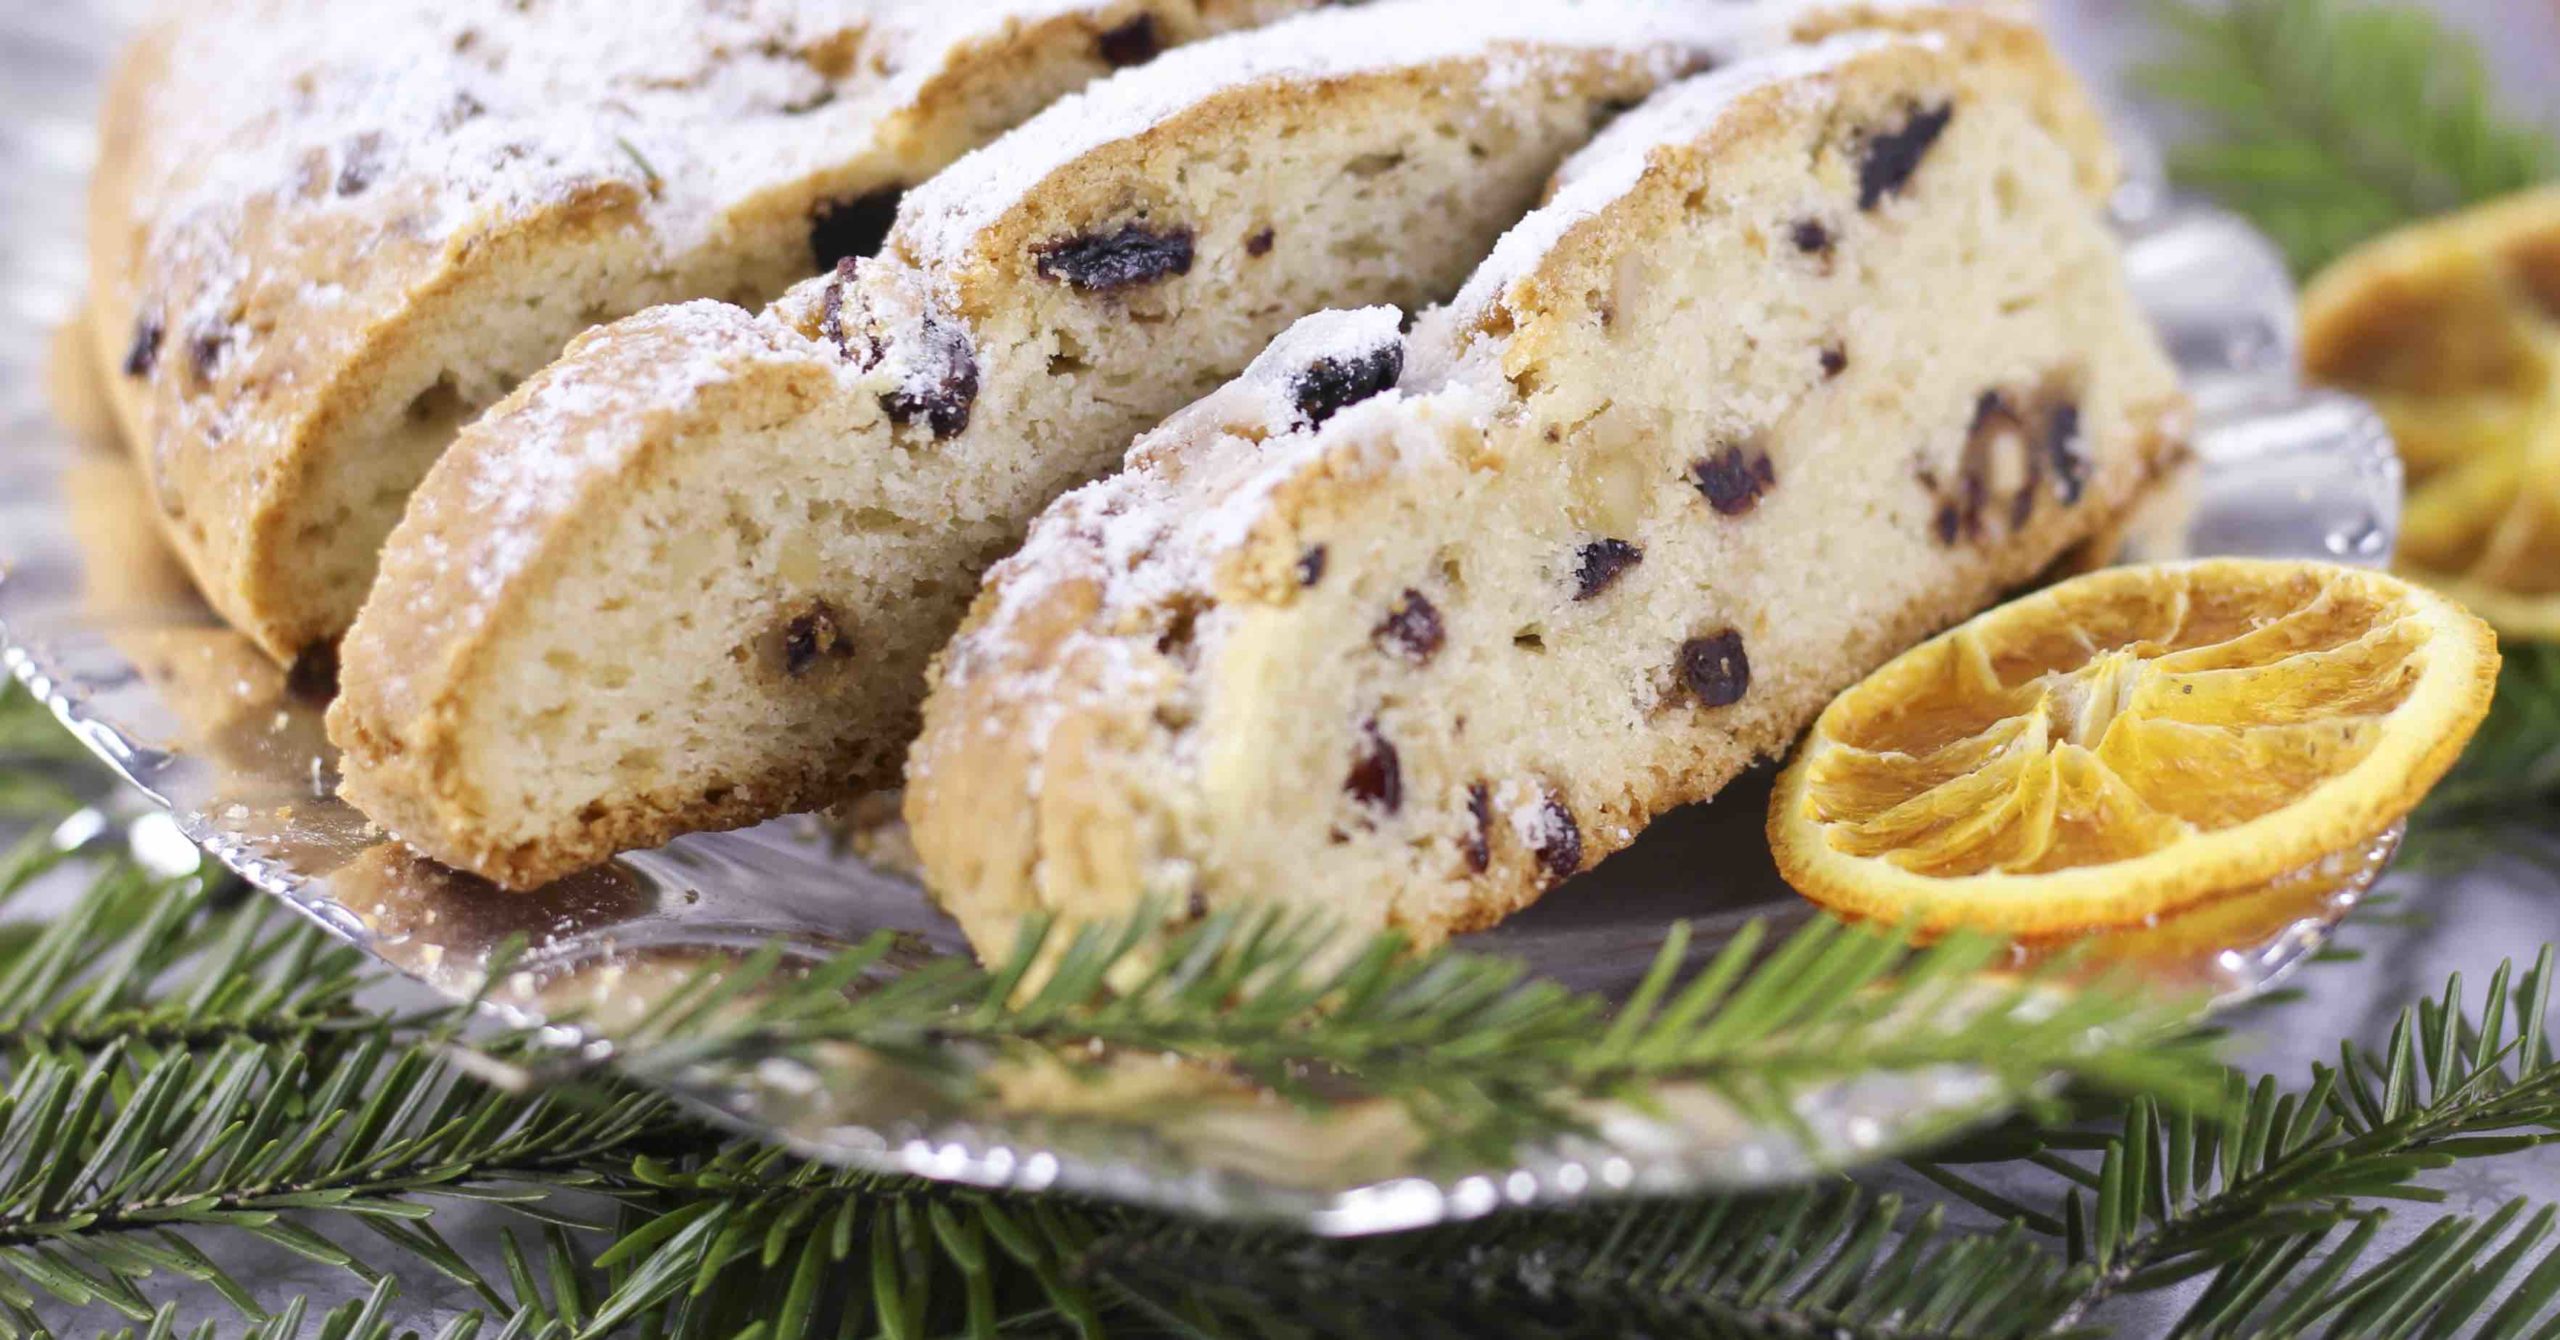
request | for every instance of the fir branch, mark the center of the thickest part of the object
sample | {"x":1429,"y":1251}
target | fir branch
{"x":2173,"y":1196}
{"x":106,"y":1162}
{"x":138,"y":963}
{"x":1482,"y":1056}
{"x":2328,"y":122}
{"x":1829,"y":1260}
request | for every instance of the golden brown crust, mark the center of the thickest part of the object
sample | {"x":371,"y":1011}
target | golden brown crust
{"x":417,"y":662}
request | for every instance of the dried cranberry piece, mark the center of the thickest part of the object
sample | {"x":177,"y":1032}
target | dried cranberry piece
{"x":363,"y":163}
{"x":1377,"y":775}
{"x":812,"y":634}
{"x":1734,"y":479}
{"x":841,"y":230}
{"x":831,"y":315}
{"x":1479,"y":844}
{"x":1602,"y":562}
{"x":942,"y":386}
{"x":1892,"y":156}
{"x":1331,"y":385}
{"x":206,"y":349}
{"x":1715,"y":668}
{"x":1412,"y":628}
{"x":1260,"y":243}
{"x":1133,"y":43}
{"x":141,"y":356}
{"x":1103,"y":262}
{"x":1559,"y":839}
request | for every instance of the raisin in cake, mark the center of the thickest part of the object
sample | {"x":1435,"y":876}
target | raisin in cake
{"x":1805,"y":359}
{"x":691,"y":575}
{"x":326,"y":234}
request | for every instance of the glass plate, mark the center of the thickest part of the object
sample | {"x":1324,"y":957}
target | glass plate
{"x":101,"y":625}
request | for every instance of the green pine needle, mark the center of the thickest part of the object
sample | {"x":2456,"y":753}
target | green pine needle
{"x":1483,"y":1057}
{"x":2329,"y":121}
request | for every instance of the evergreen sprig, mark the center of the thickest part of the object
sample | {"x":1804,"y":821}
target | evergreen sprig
{"x":174,"y":1067}
{"x":2329,"y":121}
{"x":716,"y":1237}
{"x":1482,"y":1056}
{"x":2255,"y":1197}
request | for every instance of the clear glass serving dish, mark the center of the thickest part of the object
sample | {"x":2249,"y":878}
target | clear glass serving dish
{"x":100,"y":624}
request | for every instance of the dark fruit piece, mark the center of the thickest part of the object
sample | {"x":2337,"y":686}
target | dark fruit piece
{"x":831,"y":315}
{"x":1948,"y":524}
{"x":1835,"y":360}
{"x":1331,"y":385}
{"x":1412,"y":628}
{"x":1104,"y":262}
{"x":1377,"y":776}
{"x":1715,"y":668}
{"x":363,"y":163}
{"x":2069,"y":455}
{"x":1810,"y":237}
{"x":942,"y":385}
{"x":1260,"y":243}
{"x":842,"y":230}
{"x":1602,"y":563}
{"x":141,"y":356}
{"x":1132,"y":43}
{"x":811,"y":635}
{"x":1181,"y":627}
{"x":1892,"y":156}
{"x":1734,"y":479}
{"x":1311,"y":565}
{"x":1559,"y":839}
{"x":1479,"y":843}
{"x":205,"y":351}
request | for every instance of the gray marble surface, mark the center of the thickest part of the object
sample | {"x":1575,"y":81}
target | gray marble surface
{"x":2465,"y":922}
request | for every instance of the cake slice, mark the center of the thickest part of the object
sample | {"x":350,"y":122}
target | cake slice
{"x":324,"y":235}
{"x":1805,"y":359}
{"x":691,"y":575}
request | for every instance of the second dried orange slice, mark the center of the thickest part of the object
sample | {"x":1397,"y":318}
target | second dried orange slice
{"x":2451,"y":327}
{"x":2129,"y":743}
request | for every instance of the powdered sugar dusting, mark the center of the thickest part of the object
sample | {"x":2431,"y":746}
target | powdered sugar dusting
{"x":940,"y":219}
{"x":573,"y":432}
{"x":1197,"y":490}
{"x":1193,"y":494}
{"x":502,"y":104}
{"x":1615,"y":162}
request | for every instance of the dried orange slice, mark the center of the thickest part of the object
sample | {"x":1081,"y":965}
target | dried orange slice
{"x":2129,"y":743}
{"x":2452,"y":329}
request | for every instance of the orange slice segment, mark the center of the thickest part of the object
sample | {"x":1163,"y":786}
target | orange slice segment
{"x":2452,"y":329}
{"x":2129,"y":743}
